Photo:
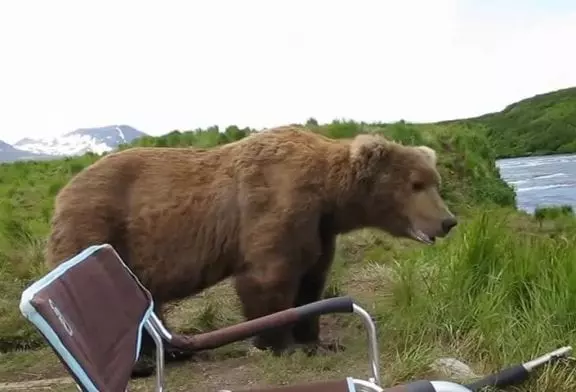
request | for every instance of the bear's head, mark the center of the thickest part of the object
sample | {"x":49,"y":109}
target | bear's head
{"x":397,"y":189}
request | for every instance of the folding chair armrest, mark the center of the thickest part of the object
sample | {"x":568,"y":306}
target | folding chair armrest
{"x":227,"y":335}
{"x":286,"y":317}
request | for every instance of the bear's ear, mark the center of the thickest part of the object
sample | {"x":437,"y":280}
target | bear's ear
{"x":365,"y":145}
{"x":429,"y":154}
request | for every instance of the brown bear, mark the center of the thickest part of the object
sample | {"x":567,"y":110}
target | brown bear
{"x":264,"y":210}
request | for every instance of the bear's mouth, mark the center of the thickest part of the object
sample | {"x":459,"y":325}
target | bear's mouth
{"x":420,"y":236}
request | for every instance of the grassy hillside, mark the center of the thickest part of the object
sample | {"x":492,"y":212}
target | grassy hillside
{"x":539,"y":125}
{"x":501,"y":289}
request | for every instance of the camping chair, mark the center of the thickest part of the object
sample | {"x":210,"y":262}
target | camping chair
{"x":91,"y":310}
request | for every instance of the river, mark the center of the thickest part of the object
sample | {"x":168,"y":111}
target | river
{"x":548,"y":180}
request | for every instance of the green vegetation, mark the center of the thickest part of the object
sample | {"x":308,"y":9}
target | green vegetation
{"x":540,"y":125}
{"x":467,"y":161}
{"x":500,"y":289}
{"x":542,"y":214}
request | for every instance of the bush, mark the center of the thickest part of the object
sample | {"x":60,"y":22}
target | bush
{"x":553,"y":212}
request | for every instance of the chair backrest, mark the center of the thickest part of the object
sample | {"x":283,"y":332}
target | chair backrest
{"x":91,"y":309}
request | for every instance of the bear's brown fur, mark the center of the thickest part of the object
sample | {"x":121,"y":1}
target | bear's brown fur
{"x":265,"y":209}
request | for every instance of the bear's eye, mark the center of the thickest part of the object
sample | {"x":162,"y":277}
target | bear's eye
{"x":418,"y":186}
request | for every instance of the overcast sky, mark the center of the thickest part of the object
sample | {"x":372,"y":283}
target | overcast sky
{"x":167,"y":65}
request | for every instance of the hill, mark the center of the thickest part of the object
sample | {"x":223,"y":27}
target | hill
{"x":540,"y":125}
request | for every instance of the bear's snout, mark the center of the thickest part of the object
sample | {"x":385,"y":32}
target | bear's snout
{"x":448,"y":224}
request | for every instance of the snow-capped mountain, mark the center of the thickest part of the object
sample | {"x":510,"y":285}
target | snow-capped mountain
{"x":81,"y":141}
{"x":9,"y":154}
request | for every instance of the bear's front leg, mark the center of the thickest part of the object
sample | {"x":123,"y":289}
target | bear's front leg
{"x":312,"y":283}
{"x":266,"y":289}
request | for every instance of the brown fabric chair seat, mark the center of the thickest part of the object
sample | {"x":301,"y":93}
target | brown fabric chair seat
{"x":91,"y":309}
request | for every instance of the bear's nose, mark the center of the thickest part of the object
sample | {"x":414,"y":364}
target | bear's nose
{"x":448,"y":224}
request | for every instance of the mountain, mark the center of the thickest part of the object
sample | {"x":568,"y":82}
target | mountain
{"x":8,"y":153}
{"x":539,"y":125}
{"x":81,"y":141}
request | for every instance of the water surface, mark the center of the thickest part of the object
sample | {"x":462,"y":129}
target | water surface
{"x":541,"y":181}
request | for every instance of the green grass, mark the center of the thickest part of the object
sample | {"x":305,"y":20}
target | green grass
{"x":500,"y":289}
{"x":503,"y":287}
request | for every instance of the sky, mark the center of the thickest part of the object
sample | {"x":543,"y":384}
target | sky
{"x":165,"y":65}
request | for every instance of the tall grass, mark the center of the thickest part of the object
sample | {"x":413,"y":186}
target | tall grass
{"x":500,"y":291}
